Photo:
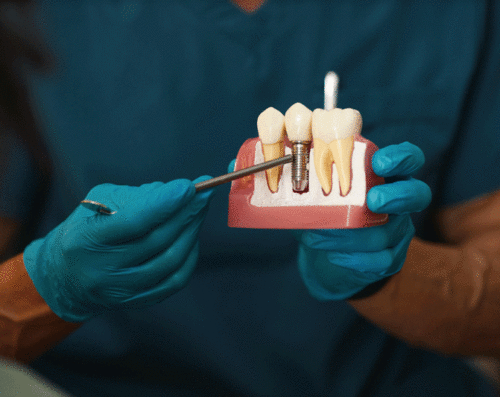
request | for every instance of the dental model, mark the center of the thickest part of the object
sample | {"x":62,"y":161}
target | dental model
{"x":333,"y":132}
{"x":327,"y":193}
{"x":271,"y":127}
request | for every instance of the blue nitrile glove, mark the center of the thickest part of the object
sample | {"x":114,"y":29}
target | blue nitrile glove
{"x":336,"y":264}
{"x":93,"y":263}
{"x":231,"y":166}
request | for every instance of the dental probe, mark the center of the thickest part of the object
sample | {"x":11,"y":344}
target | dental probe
{"x":243,"y":172}
{"x":102,"y":209}
{"x":97,"y":207}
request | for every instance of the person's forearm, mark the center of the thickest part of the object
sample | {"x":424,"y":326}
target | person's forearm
{"x":28,"y":327}
{"x":446,"y":297}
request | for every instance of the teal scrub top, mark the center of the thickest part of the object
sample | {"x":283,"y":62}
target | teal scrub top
{"x":144,"y":91}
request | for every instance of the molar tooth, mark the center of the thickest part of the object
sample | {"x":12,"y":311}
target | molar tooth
{"x":323,"y":161}
{"x":271,"y":127}
{"x":333,"y":133}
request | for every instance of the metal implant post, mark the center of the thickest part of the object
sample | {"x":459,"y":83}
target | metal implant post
{"x":300,"y":165}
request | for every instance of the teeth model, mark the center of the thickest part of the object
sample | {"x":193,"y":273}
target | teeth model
{"x":333,"y":134}
{"x":271,"y":127}
{"x":298,"y":127}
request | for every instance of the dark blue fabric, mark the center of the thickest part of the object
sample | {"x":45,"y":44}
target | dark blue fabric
{"x":147,"y":91}
{"x":17,"y":177}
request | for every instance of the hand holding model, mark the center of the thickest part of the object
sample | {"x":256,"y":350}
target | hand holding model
{"x":338,"y":263}
{"x":146,"y":251}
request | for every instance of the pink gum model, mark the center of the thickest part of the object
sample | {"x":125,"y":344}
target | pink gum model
{"x":244,"y":214}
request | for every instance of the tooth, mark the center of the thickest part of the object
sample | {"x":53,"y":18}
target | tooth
{"x":298,"y":120}
{"x":298,"y":123}
{"x":271,"y":127}
{"x":333,"y":135}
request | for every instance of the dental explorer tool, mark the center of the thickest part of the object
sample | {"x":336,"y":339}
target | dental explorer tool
{"x":97,"y":207}
{"x":102,"y":209}
{"x":243,"y":172}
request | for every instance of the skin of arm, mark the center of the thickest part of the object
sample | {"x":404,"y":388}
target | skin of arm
{"x":29,"y":327}
{"x":445,"y":298}
{"x":249,"y":6}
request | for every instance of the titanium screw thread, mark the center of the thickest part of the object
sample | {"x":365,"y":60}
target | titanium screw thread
{"x":300,"y":165}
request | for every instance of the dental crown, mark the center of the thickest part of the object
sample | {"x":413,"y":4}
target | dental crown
{"x":298,"y":120}
{"x":329,"y":125}
{"x":271,"y":126}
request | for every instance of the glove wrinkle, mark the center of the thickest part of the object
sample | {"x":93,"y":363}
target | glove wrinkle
{"x":402,"y":160}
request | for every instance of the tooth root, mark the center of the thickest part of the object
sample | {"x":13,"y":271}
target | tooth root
{"x":273,"y":151}
{"x":323,"y":161}
{"x":271,"y":127}
{"x":335,"y":129}
{"x":341,"y":150}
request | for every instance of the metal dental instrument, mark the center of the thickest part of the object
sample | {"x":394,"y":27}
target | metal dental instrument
{"x":97,"y":207}
{"x":243,"y":172}
{"x":102,"y":209}
{"x":300,"y":153}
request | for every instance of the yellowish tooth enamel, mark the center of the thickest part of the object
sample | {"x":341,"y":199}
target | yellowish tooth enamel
{"x":273,"y":151}
{"x":333,"y":135}
{"x":298,"y":120}
{"x":271,"y":127}
{"x":323,"y":161}
{"x":341,"y":150}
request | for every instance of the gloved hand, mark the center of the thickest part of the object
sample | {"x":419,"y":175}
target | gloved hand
{"x":336,"y":264}
{"x":93,"y":263}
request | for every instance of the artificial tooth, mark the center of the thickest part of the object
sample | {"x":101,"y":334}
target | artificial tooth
{"x":298,"y":120}
{"x":298,"y":123}
{"x":333,"y":135}
{"x":271,"y":127}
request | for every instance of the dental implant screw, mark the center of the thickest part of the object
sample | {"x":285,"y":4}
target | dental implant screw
{"x":300,"y":165}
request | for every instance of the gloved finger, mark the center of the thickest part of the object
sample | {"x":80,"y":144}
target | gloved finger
{"x":128,"y":225}
{"x":327,"y":277}
{"x":168,"y":286}
{"x":231,"y":166}
{"x":398,"y":160}
{"x":369,"y":239}
{"x":139,"y":209}
{"x":162,"y":265}
{"x":381,"y":263}
{"x":163,"y":235}
{"x":184,"y":226}
{"x":339,"y":283}
{"x":401,"y":197}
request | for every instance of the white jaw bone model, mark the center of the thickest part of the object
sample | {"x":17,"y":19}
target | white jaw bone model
{"x":333,"y":134}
